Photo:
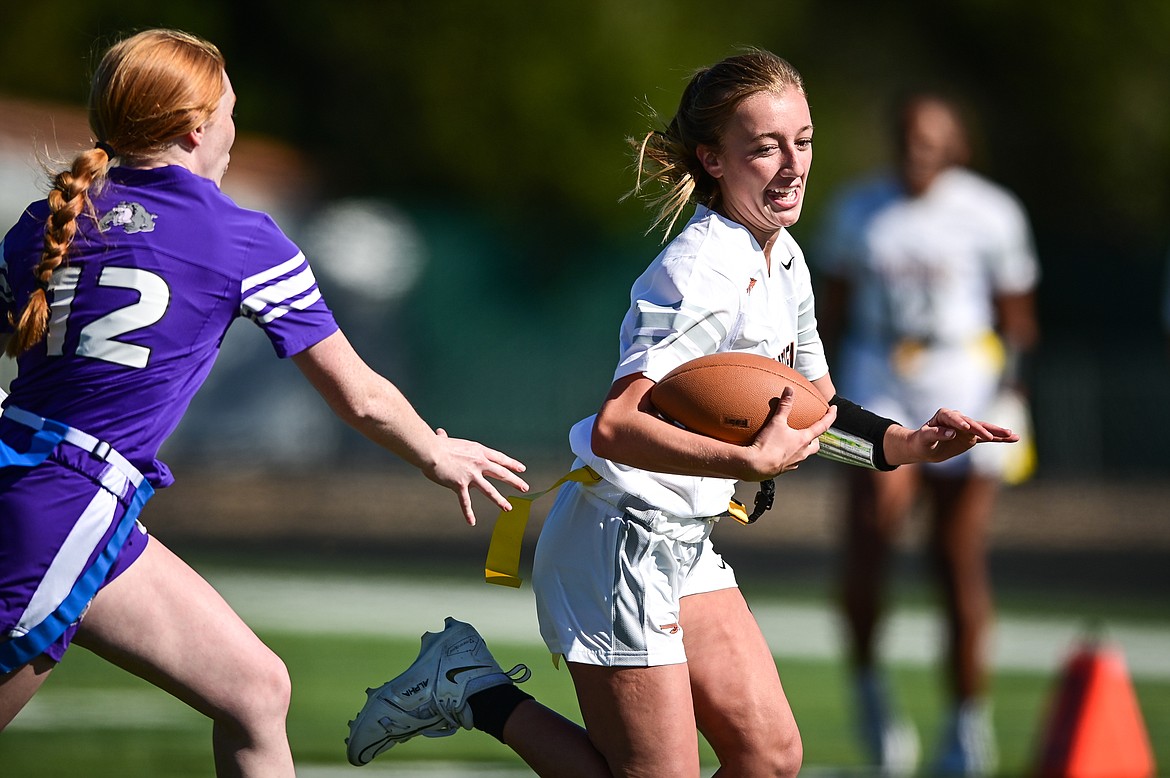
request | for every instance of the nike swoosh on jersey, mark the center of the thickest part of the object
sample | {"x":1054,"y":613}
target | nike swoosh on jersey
{"x":788,"y":265}
{"x":455,"y":671}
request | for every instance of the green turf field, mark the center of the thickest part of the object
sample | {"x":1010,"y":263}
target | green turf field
{"x":93,"y":720}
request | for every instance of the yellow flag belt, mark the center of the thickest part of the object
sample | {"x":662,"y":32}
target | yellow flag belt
{"x":503,"y":558}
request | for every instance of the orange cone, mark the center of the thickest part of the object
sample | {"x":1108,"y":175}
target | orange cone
{"x":1095,"y":729}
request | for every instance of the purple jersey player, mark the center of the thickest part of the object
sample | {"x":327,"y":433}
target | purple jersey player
{"x":118,"y":290}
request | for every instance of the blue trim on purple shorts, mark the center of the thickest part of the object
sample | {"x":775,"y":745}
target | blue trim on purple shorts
{"x":18,"y":651}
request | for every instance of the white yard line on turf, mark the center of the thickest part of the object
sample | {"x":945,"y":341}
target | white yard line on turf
{"x":406,"y":608}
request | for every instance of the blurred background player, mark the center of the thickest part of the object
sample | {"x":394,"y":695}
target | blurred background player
{"x":929,"y":272}
{"x":115,"y":294}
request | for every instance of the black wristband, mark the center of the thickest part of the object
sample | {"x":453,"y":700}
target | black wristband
{"x":867,"y":425}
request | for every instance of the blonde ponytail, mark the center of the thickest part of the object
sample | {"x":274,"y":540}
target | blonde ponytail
{"x":661,"y":161}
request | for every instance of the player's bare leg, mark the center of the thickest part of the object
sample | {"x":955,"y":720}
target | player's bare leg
{"x":958,"y":547}
{"x":877,"y":509}
{"x":551,"y":744}
{"x":639,"y":718}
{"x":740,"y":705}
{"x":878,"y":506}
{"x":958,"y":544}
{"x":19,"y":686}
{"x":161,"y":621}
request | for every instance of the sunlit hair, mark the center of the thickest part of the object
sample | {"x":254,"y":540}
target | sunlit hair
{"x":148,"y":91}
{"x":668,"y":158}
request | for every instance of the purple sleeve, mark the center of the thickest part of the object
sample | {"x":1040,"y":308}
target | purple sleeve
{"x":280,"y":294}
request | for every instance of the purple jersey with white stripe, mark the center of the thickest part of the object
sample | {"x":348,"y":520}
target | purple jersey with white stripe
{"x":144,"y":300}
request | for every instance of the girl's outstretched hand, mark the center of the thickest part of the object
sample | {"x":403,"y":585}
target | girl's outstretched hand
{"x":460,"y":464}
{"x":947,"y":434}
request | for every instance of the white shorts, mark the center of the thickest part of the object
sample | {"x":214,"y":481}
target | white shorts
{"x":608,"y":589}
{"x":909,"y":390}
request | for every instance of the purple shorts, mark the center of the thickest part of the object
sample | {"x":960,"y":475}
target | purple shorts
{"x":56,"y":519}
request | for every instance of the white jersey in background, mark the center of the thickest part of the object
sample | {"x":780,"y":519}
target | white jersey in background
{"x":929,"y":267}
{"x":924,"y":273}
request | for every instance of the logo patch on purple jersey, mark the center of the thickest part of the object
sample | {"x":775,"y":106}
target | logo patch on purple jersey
{"x":131,"y":217}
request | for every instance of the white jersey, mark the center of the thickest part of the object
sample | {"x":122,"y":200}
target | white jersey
{"x":928,"y":268}
{"x":924,"y":273}
{"x":709,"y":291}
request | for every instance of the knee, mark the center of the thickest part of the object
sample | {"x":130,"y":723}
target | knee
{"x":262,"y":696}
{"x":775,"y":757}
{"x":274,"y":687}
{"x":787,"y":758}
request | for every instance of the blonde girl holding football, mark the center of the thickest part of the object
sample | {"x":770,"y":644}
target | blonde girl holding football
{"x":657,"y":637}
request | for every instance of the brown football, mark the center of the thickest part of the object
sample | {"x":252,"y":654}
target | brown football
{"x":729,"y":396}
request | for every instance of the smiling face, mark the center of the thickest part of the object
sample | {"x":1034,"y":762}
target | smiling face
{"x":762,"y":167}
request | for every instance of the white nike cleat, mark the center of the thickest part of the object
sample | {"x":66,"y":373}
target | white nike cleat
{"x":968,"y":745}
{"x":890,"y":739}
{"x":430,"y":698}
